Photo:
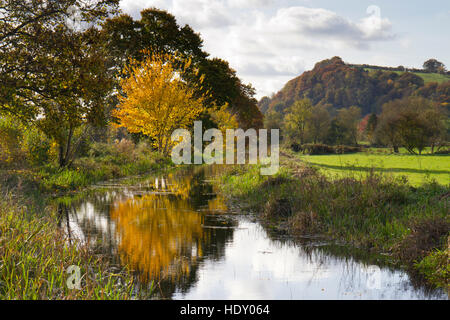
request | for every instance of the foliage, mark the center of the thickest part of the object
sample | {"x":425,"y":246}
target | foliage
{"x":159,"y":32}
{"x":412,"y":122}
{"x":38,"y":42}
{"x":11,"y":132}
{"x":37,"y":146}
{"x":156,"y":101}
{"x":343,"y":85}
{"x":432,"y":65}
{"x":297,"y":117}
{"x":223,"y":118}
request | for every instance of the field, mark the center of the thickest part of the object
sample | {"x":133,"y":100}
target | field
{"x":427,"y":77}
{"x":416,"y":168}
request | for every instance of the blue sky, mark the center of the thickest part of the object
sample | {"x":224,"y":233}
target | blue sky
{"x":269,"y":42}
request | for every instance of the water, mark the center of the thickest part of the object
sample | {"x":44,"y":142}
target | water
{"x":177,"y":232}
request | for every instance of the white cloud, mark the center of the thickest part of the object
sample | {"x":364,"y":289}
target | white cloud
{"x":269,"y":45}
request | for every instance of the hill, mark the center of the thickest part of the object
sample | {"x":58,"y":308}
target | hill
{"x":342,"y":85}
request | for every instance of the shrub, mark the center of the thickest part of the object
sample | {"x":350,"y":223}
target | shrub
{"x":426,"y":235}
{"x":316,"y":149}
{"x":37,"y":146}
{"x":125,"y":148}
{"x":10,"y":137}
{"x":346,"y":149}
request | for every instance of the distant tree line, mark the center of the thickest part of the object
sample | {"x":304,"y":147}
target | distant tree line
{"x":429,"y":66}
{"x":411,"y":122}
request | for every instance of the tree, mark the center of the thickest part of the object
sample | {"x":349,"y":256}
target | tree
{"x":274,"y":120}
{"x":348,"y":119}
{"x":25,"y":31}
{"x":156,"y":100}
{"x":372,"y":123}
{"x":432,"y":65}
{"x":387,"y":130}
{"x":297,"y":118}
{"x":51,"y":75}
{"x":158,"y":30}
{"x":319,"y":123}
{"x":412,"y":122}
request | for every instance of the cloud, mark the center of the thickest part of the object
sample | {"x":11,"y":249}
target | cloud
{"x":268,"y":44}
{"x":250,"y":3}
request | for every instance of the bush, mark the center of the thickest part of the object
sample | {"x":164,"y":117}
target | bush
{"x":346,"y":149}
{"x":316,"y":149}
{"x":37,"y":146}
{"x":10,"y":138}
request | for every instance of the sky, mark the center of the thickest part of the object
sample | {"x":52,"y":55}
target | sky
{"x":269,"y":42}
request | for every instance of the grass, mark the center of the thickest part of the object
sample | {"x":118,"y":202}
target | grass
{"x":35,"y":256}
{"x":427,"y":77}
{"x":417,"y":169}
{"x":49,"y":179}
{"x":377,"y":213}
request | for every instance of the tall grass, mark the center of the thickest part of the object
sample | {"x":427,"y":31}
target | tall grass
{"x":35,"y":256}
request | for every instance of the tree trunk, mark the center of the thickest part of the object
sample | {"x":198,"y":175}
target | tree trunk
{"x":395,"y":149}
{"x":64,"y":153}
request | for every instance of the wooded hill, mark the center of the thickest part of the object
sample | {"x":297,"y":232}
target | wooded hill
{"x":341,"y":85}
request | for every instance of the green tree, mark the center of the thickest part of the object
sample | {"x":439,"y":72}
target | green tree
{"x":54,"y":76}
{"x":432,"y":65}
{"x":371,"y":127}
{"x":319,"y":123}
{"x":412,"y":122}
{"x":348,"y":119}
{"x":296,"y":120}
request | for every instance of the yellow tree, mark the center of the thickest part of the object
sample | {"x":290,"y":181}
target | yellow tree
{"x":156,"y":100}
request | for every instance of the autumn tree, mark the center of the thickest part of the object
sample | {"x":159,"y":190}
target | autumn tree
{"x":159,"y":31}
{"x":28,"y":31}
{"x":156,"y":100}
{"x":52,"y":75}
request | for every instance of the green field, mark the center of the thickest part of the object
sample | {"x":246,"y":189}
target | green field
{"x":417,"y":169}
{"x":427,"y":77}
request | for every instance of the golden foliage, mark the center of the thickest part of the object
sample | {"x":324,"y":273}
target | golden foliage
{"x":223,"y":117}
{"x":156,"y":100}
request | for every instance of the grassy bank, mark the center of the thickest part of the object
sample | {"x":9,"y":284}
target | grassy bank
{"x":35,"y":253}
{"x":106,"y":164}
{"x":35,"y":257}
{"x":378,"y":213}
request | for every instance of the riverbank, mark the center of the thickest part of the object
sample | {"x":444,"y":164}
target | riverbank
{"x":53,"y":181}
{"x":36,"y":256}
{"x":35,"y":253}
{"x":381,"y":214}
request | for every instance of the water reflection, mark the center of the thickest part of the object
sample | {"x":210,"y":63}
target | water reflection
{"x":174,"y":230}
